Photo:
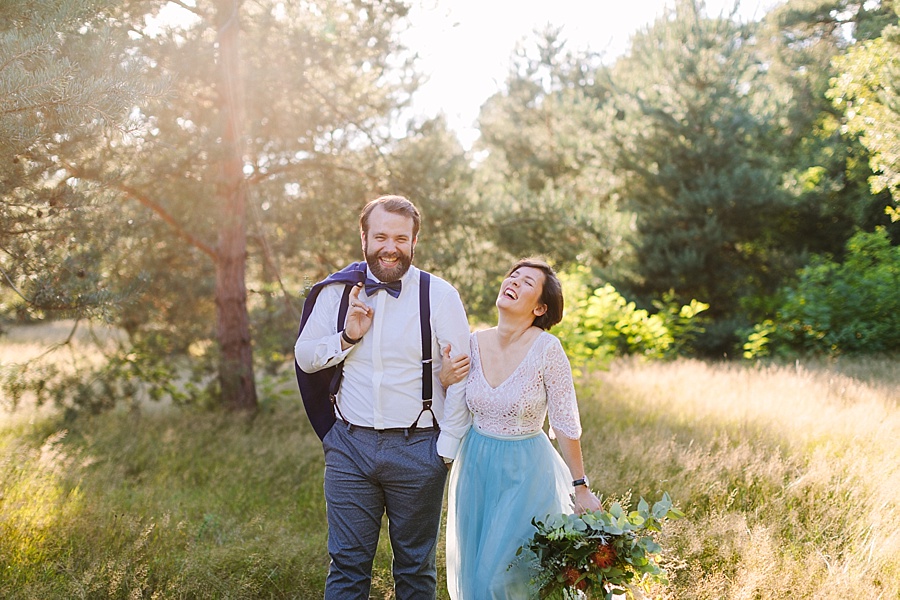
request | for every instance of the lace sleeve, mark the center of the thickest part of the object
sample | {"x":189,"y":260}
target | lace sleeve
{"x":562,"y":406}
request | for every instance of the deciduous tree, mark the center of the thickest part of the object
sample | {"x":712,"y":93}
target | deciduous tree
{"x":867,"y":92}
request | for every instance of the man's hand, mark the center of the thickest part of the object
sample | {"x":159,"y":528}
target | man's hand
{"x":359,"y":317}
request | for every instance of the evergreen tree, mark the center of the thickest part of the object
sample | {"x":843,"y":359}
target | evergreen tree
{"x":825,"y":167}
{"x":62,"y":77}
{"x":691,"y":147}
{"x":543,"y":172}
{"x":248,"y":174}
{"x":272,"y":103}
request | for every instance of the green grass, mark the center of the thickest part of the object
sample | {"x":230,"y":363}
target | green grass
{"x":789,"y":476}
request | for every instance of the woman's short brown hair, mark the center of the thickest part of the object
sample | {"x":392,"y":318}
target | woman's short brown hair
{"x":551,"y":292}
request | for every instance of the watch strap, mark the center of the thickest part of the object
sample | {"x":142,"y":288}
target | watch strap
{"x":349,"y":339}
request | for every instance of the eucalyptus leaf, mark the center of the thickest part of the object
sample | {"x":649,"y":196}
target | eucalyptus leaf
{"x":643,"y":507}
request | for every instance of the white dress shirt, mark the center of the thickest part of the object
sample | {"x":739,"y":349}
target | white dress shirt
{"x":382,"y":385}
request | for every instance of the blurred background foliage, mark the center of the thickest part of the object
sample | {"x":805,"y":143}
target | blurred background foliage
{"x":722,"y":188}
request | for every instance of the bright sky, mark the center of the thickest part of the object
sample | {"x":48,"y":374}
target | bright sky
{"x":465,"y":45}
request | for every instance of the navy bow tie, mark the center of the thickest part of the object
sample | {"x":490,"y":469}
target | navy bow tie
{"x":372,"y":286}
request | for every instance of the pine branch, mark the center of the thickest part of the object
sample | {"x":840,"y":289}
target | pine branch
{"x":168,"y":219}
{"x":191,"y":9}
{"x":154,"y":207}
{"x":13,"y":286}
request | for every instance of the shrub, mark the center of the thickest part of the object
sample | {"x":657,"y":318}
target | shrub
{"x":851,"y":307}
{"x":602,"y":324}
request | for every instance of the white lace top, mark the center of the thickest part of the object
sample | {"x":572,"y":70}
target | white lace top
{"x":540,"y":385}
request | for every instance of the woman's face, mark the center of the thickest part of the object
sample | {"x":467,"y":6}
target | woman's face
{"x":521,"y":291}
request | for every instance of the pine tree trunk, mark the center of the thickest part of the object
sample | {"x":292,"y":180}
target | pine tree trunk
{"x":233,"y":322}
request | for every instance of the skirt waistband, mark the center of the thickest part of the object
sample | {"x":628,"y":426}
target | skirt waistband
{"x":509,"y":438}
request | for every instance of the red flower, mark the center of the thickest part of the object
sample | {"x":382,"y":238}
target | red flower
{"x":604,"y":557}
{"x":572,"y":574}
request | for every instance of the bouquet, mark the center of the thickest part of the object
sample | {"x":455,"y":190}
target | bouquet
{"x":598,"y":554}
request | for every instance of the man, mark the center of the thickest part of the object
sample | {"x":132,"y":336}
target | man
{"x":387,"y":452}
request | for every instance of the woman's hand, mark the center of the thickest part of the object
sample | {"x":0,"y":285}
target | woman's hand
{"x":453,"y":370}
{"x":585,"y":500}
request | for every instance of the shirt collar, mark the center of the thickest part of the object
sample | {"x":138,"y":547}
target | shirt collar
{"x":412,"y":274}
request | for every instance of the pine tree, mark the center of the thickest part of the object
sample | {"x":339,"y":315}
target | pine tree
{"x":249,"y":173}
{"x":690,"y":146}
{"x":824,"y":165}
{"x":544,"y":175}
{"x":63,"y":79}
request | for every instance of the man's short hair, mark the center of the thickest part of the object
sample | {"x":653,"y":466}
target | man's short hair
{"x":551,"y":292}
{"x":392,"y":204}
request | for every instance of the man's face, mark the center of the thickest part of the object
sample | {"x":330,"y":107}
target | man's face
{"x":389,"y":245}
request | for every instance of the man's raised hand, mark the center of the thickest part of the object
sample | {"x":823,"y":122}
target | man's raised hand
{"x":359,"y":315}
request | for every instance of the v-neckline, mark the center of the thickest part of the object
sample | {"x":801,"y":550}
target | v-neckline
{"x":513,"y":372}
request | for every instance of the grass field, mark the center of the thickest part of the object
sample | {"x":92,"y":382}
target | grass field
{"x":789,"y":477}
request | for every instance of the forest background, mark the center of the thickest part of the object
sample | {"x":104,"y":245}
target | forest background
{"x":724,"y":191}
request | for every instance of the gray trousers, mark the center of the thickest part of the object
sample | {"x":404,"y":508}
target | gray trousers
{"x":367,"y":474}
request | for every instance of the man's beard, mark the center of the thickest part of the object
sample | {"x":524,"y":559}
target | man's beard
{"x":388,"y":275}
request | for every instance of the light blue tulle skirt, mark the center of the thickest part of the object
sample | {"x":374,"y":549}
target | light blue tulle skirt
{"x":498,"y":484}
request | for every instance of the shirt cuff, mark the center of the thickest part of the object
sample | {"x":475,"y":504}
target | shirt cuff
{"x":334,"y":349}
{"x":447,"y":445}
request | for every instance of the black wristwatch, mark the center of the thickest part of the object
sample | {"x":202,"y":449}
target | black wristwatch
{"x":349,"y":339}
{"x":583,"y":481}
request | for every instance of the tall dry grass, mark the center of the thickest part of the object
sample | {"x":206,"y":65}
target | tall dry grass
{"x":788,"y":475}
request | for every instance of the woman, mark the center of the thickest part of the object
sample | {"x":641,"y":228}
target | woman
{"x":507,"y":471}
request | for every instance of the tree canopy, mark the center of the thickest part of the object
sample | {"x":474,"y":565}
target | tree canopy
{"x":183,"y":171}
